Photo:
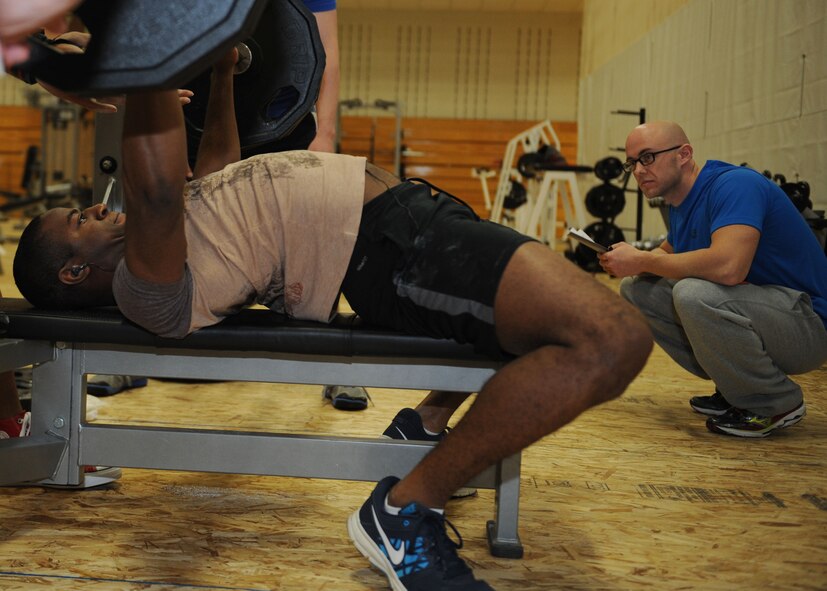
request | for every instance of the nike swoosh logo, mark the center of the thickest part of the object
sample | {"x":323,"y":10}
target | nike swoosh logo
{"x":396,"y":555}
{"x":401,"y":433}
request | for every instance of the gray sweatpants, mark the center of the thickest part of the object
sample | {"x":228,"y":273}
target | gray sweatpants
{"x":745,"y":338}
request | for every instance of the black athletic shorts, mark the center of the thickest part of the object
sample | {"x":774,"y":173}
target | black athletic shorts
{"x":428,"y":265}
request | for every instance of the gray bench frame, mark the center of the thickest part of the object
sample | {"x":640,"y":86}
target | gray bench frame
{"x":297,"y":353}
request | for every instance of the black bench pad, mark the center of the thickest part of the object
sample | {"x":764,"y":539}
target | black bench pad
{"x":250,"y":330}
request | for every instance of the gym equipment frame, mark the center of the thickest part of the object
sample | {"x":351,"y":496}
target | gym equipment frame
{"x":256,"y":345}
{"x":538,"y":217}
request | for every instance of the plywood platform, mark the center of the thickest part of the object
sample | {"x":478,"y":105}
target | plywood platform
{"x":634,"y":495}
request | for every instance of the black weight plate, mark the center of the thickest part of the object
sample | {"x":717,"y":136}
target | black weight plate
{"x":144,"y":45}
{"x":799,"y":194}
{"x":605,"y":201}
{"x":608,"y":168}
{"x":516,"y":197}
{"x":552,"y":158}
{"x":603,"y":233}
{"x":527,"y":164}
{"x":282,"y":83}
{"x":586,"y":259}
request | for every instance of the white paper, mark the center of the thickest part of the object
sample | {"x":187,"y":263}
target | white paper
{"x":586,"y":240}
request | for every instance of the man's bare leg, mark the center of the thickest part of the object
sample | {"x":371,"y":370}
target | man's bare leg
{"x":437,"y":408}
{"x":579,"y":345}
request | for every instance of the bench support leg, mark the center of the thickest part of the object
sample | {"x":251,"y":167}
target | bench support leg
{"x":503,"y":539}
{"x":27,"y":459}
{"x":58,"y":405}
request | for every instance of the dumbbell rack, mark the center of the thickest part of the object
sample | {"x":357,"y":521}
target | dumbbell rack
{"x":538,"y":217}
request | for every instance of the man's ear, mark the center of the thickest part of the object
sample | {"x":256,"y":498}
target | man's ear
{"x":73,"y":273}
{"x":686,"y":152}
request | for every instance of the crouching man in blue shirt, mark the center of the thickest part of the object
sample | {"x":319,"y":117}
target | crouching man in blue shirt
{"x":738,"y":291}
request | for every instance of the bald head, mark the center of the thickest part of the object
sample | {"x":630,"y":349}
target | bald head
{"x":657,"y":134}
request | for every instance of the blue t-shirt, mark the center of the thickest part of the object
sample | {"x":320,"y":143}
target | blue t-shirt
{"x":788,"y":253}
{"x":320,"y":5}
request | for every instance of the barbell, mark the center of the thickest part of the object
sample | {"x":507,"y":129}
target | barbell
{"x":139,"y":45}
{"x":547,"y":158}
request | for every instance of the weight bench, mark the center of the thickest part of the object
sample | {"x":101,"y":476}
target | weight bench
{"x":255,"y":345}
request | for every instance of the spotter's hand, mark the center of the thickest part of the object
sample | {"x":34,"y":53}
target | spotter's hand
{"x":185,"y":96}
{"x":623,"y":260}
{"x":18,"y":19}
{"x":76,"y":42}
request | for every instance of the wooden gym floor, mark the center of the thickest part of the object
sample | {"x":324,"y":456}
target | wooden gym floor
{"x":633,"y":495}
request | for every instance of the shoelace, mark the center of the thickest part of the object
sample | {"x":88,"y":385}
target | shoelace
{"x":442,"y":548}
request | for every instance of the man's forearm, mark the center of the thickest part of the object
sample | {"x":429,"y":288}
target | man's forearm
{"x":727,"y":260}
{"x":702,"y":264}
{"x":328,"y":101}
{"x":326,"y":112}
{"x":219,"y":145}
{"x":154,"y":146}
{"x":625,"y":260}
{"x":154,"y":170}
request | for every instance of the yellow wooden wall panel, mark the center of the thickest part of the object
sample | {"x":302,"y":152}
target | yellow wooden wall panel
{"x":463,"y":65}
{"x":19,"y":128}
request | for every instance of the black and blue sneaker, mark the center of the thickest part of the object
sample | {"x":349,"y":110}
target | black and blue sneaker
{"x":413,"y":548}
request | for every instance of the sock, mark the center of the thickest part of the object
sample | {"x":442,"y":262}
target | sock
{"x":391,"y":510}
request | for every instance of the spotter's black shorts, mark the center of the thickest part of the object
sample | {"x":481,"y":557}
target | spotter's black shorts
{"x":428,"y":265}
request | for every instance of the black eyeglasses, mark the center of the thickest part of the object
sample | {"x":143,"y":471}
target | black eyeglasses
{"x":645,"y":159}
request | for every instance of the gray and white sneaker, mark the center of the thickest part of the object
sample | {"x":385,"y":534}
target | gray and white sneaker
{"x":346,"y":397}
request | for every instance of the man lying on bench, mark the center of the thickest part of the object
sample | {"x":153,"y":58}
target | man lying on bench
{"x":292,"y":230}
